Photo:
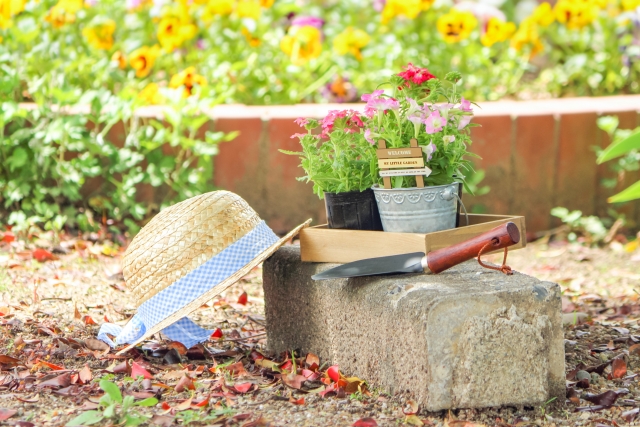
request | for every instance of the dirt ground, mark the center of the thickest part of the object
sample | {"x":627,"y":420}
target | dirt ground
{"x":51,"y":365}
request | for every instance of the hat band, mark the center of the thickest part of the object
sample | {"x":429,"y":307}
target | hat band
{"x":191,"y":286}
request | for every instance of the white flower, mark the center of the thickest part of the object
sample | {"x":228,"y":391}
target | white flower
{"x":448,"y":139}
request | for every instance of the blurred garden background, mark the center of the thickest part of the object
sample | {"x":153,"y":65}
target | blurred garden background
{"x":111,"y":110}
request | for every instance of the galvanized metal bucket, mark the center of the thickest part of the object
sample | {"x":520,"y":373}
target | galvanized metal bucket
{"x":417,"y":210}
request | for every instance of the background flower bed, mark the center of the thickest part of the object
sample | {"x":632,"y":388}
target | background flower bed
{"x":286,"y":51}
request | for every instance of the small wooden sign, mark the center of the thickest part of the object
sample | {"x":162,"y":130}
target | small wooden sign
{"x":416,"y":162}
{"x":406,"y":172}
{"x":394,"y":153}
{"x":401,"y":158}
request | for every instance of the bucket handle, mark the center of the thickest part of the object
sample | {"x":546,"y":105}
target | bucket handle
{"x":466,"y":215}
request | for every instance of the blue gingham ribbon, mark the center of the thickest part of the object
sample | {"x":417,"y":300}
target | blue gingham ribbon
{"x":188,"y":288}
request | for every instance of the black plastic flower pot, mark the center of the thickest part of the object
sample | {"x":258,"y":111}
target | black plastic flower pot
{"x":353,"y":210}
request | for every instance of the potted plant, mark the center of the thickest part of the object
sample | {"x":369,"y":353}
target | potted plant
{"x":432,"y":113}
{"x":343,"y":167}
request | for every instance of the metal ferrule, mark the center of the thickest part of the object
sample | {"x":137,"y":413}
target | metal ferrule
{"x":425,"y":265}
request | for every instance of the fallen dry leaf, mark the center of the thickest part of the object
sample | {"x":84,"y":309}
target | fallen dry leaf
{"x":85,"y":375}
{"x":62,"y":380}
{"x":365,"y":422}
{"x":42,"y":255}
{"x":5,"y":414}
{"x":606,"y":399}
{"x":95,"y":344}
{"x":293,"y":380}
{"x":242,"y":387}
{"x":312,"y":361}
{"x":237,"y":369}
{"x":185,"y":383}
{"x":242,"y":299}
{"x":137,"y":370}
{"x":618,"y":368}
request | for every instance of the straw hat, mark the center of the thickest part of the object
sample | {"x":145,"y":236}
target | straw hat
{"x":186,"y":255}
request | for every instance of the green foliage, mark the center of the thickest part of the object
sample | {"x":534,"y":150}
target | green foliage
{"x":344,"y":162}
{"x":114,"y":409}
{"x":61,"y":165}
{"x":625,"y":146}
{"x":590,"y":227}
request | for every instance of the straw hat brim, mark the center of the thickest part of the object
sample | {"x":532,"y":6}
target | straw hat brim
{"x":217,"y":289}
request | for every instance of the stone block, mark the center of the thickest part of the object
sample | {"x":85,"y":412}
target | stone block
{"x":466,"y":338}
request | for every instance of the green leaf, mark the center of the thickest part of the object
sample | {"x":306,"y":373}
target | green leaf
{"x":86,"y":419}
{"x":110,"y":411}
{"x":630,"y":193}
{"x":18,"y":158}
{"x":151,"y":401}
{"x":617,"y":149}
{"x":134,"y":420}
{"x":112,"y":390}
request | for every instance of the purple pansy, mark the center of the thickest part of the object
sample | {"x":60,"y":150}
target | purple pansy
{"x":311,"y":21}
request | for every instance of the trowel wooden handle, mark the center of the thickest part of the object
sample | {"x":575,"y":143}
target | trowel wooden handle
{"x":500,"y":237}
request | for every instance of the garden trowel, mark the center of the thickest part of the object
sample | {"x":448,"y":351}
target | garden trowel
{"x":434,"y":262}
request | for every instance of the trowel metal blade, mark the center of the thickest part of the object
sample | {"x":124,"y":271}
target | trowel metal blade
{"x":405,"y":263}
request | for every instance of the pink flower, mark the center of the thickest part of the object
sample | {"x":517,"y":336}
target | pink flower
{"x":368,"y":137}
{"x":434,"y":122}
{"x":464,"y":121}
{"x":357,"y":120}
{"x":415,"y":74}
{"x":301,"y":121}
{"x":448,"y":139}
{"x":367,"y":96}
{"x":298,"y":135}
{"x":465,"y":105}
{"x":429,"y":150}
{"x":312,"y":21}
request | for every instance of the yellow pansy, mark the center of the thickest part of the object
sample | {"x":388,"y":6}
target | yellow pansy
{"x":351,"y":40}
{"x":426,"y":4}
{"x":142,"y":60}
{"x":100,"y":36}
{"x":189,"y":79}
{"x":267,"y":3}
{"x":173,"y":32}
{"x":497,"y":31}
{"x":248,"y":9}
{"x":71,"y":6}
{"x":302,"y":43}
{"x":408,"y":8}
{"x":575,"y":14}
{"x":58,"y":16}
{"x":217,"y":7}
{"x":251,"y":39}
{"x":119,"y":58}
{"x":527,"y":37}
{"x":630,"y":4}
{"x":543,"y":15}
{"x":9,"y":9}
{"x":150,"y":95}
{"x":456,"y":25}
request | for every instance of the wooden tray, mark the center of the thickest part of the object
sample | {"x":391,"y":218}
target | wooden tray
{"x":322,"y":244}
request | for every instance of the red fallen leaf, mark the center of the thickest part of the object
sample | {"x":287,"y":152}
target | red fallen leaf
{"x":313,"y":361}
{"x":4,"y":310}
{"x":286,"y":366}
{"x":205,"y":402}
{"x":88,"y":320}
{"x":43,"y":255}
{"x":85,"y":375}
{"x":185,"y":383}
{"x":256,"y":355}
{"x":365,"y":422}
{"x":217,"y":333}
{"x":242,"y":387}
{"x":63,"y":380}
{"x":51,"y":365}
{"x":242,"y":299}
{"x":76,"y":313}
{"x":331,"y":388}
{"x":8,"y":237}
{"x":5,"y":414}
{"x":8,"y":360}
{"x":166,"y":406}
{"x":297,"y":401}
{"x":106,"y":319}
{"x":236,"y":368}
{"x":618,"y":368}
{"x":333,"y":373}
{"x":177,"y":346}
{"x":293,"y":380}
{"x":137,"y":370}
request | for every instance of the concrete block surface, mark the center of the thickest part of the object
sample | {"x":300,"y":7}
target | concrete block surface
{"x":466,"y":338}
